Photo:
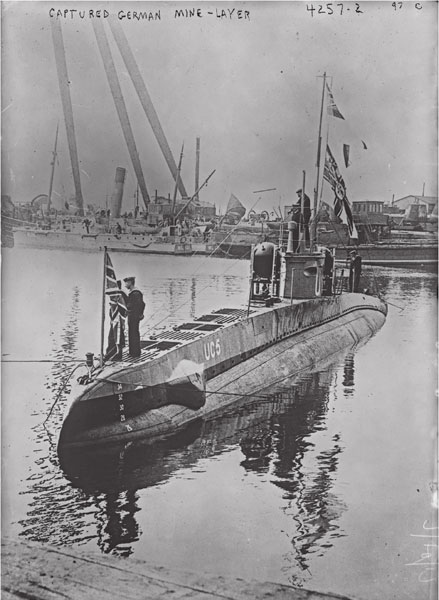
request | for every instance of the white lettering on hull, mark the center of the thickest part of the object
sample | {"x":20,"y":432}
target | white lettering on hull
{"x":212,"y":349}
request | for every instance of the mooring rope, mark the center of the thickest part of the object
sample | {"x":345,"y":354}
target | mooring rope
{"x":26,"y":360}
{"x":60,"y":392}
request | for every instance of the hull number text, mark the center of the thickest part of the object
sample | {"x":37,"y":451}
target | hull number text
{"x":212,"y":349}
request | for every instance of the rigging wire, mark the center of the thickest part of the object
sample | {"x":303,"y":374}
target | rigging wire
{"x":154,"y":325}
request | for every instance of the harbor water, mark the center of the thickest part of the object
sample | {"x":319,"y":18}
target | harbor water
{"x":324,"y":481}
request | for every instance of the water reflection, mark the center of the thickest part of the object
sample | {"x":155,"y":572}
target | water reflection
{"x":288,"y":444}
{"x":304,"y":473}
{"x":348,"y":375}
{"x":274,"y":432}
{"x":55,"y":510}
{"x":116,"y":522}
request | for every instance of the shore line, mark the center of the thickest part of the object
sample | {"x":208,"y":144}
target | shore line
{"x":43,"y":572}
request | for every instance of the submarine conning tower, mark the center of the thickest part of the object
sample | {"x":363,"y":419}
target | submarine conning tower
{"x":306,"y":274}
{"x":277,"y":275}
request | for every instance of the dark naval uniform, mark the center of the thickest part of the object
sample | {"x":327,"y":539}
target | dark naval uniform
{"x":301,"y":219}
{"x":135,"y":308}
{"x":355,"y":265}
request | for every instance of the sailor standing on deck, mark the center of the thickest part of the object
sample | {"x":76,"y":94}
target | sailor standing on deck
{"x":135,"y":308}
{"x":300,"y":219}
{"x":354,"y":270}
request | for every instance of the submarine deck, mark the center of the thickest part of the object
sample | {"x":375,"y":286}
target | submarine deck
{"x":159,"y":343}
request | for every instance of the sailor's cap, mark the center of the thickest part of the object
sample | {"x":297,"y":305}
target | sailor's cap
{"x":299,"y":191}
{"x":130,"y":278}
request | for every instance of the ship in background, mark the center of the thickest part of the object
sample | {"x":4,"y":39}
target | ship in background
{"x":156,"y":224}
{"x":184,"y":224}
{"x":399,"y":237}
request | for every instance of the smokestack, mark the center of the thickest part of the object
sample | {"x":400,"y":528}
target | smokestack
{"x":116,"y":198}
{"x":197,"y":168}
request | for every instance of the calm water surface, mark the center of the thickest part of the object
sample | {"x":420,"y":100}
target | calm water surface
{"x":324,"y":481}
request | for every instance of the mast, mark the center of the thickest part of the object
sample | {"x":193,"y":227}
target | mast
{"x":52,"y":173}
{"x":63,"y":81}
{"x":176,"y":185}
{"x":319,"y":149}
{"x":197,"y":168}
{"x":302,"y":241}
{"x":136,"y":196}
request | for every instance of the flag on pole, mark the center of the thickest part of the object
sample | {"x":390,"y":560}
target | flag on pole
{"x":364,"y":145}
{"x":110,"y":276}
{"x":332,"y":107}
{"x":118,"y":308}
{"x":342,"y":208}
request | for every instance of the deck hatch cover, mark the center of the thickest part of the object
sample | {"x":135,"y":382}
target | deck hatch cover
{"x":144,"y":355}
{"x":198,"y":326}
{"x":207,"y":318}
{"x":230,"y":311}
{"x":147,"y":343}
{"x":180,"y":335}
{"x":228,"y":315}
{"x":187,"y":326}
{"x":165,"y":345}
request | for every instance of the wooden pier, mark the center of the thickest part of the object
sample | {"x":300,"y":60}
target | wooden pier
{"x":39,"y":572}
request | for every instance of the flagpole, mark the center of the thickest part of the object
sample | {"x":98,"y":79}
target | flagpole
{"x":319,"y":149}
{"x":302,"y":242}
{"x":103,"y":306}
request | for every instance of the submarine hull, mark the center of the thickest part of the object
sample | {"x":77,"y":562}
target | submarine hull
{"x":160,"y":394}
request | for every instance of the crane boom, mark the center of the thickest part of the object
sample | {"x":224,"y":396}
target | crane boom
{"x":145,"y":100}
{"x":63,"y":81}
{"x":116,"y":92}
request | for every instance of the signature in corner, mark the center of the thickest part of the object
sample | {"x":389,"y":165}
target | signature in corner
{"x":429,"y":559}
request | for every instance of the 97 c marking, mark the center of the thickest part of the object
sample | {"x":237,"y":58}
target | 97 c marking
{"x":212,"y":349}
{"x":399,"y":5}
{"x":331,"y":8}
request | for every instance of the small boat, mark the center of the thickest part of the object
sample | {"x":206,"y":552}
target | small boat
{"x":301,"y":309}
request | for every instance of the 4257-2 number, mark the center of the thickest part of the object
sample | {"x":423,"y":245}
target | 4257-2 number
{"x":331,"y":8}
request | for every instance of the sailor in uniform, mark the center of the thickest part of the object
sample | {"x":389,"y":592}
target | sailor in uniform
{"x":301,"y":219}
{"x":135,"y":309}
{"x":354,"y":270}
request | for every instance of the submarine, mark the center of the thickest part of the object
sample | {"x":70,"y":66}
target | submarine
{"x":300,"y":310}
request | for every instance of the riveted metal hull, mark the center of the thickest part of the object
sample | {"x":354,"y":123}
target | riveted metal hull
{"x":183,"y":381}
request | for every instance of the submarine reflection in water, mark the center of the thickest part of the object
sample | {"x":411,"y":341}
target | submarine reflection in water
{"x":273,"y":431}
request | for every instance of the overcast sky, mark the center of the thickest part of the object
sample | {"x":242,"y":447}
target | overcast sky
{"x":249,"y":88}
